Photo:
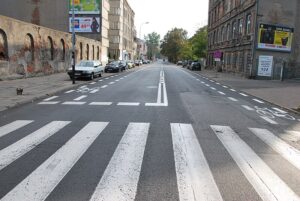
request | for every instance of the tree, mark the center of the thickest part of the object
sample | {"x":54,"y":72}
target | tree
{"x":152,"y":41}
{"x":199,"y":42}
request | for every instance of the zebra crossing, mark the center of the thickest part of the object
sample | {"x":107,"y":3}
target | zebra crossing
{"x":195,"y":179}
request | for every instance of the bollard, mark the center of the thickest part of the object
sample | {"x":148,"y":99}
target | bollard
{"x":19,"y":91}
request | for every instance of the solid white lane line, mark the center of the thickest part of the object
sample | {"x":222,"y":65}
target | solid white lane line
{"x":73,"y":103}
{"x":222,"y":93}
{"x":258,"y":101}
{"x":293,"y":136}
{"x":8,"y":128}
{"x":51,"y":98}
{"x":166,"y":103}
{"x":213,"y":88}
{"x":232,"y":99}
{"x":225,"y":86}
{"x":21,"y":147}
{"x":39,"y":184}
{"x":100,"y":103}
{"x":194,"y":178}
{"x":80,"y":98}
{"x":104,"y":86}
{"x":269,"y":120}
{"x":70,"y":91}
{"x":49,"y":103}
{"x":245,"y":95}
{"x":233,"y":90}
{"x":111,"y":82}
{"x":93,"y":83}
{"x":120,"y":178}
{"x":247,"y":107}
{"x":266,"y":183}
{"x":279,"y":110}
{"x":94,"y":91}
{"x":285,"y":150}
{"x":128,"y":104}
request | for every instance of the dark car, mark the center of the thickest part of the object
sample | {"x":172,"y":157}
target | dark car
{"x":195,"y":65}
{"x":113,"y":66}
{"x":123,"y":65}
{"x":184,"y":63}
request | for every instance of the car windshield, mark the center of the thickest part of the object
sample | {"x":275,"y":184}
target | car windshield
{"x":86,"y":64}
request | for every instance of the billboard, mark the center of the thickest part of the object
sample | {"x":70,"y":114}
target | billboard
{"x":274,"y":37}
{"x":86,"y":6}
{"x":86,"y":24}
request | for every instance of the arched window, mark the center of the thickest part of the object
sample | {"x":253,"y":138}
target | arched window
{"x":29,"y":48}
{"x":81,"y":52}
{"x":98,"y":53}
{"x":87,"y":51}
{"x":51,"y":48}
{"x":93,"y":48}
{"x":63,"y":50}
{"x":3,"y":46}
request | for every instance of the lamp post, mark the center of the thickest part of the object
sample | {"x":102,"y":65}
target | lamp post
{"x":73,"y":43}
{"x":141,"y":36}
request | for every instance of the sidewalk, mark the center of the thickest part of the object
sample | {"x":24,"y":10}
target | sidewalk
{"x":285,"y":94}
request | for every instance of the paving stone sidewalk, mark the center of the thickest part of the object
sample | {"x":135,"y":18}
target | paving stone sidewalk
{"x":285,"y":94}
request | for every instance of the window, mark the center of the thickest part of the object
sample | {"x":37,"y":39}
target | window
{"x":241,"y":22}
{"x":87,"y":51}
{"x":228,"y":31}
{"x":98,"y":53}
{"x":233,"y":30}
{"x":248,"y":24}
{"x":93,"y":48}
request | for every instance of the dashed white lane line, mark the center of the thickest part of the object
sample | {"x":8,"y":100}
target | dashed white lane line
{"x":100,"y":103}
{"x":225,"y":87}
{"x":94,"y":91}
{"x":80,"y":98}
{"x":222,"y":93}
{"x":104,"y":86}
{"x":217,"y":83}
{"x":232,"y":99}
{"x":267,"y":119}
{"x":212,"y":80}
{"x":117,"y":80}
{"x":197,"y":79}
{"x":49,"y":103}
{"x":213,"y":88}
{"x":83,"y":86}
{"x":67,"y":92}
{"x":247,"y":107}
{"x":100,"y":80}
{"x":121,"y":78}
{"x":259,"y":101}
{"x":207,"y":85}
{"x":243,"y":94}
{"x":73,"y":103}
{"x":93,"y":83}
{"x":233,"y":90}
{"x":107,"y":78}
{"x":111,"y":83}
{"x":128,"y":104}
{"x":279,"y":110}
{"x":202,"y":82}
{"x":51,"y":98}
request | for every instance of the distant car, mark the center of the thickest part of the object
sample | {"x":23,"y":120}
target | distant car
{"x":195,"y":65}
{"x":144,"y":61}
{"x":123,"y":65}
{"x":87,"y":69}
{"x":184,"y":63}
{"x":113,"y":66}
{"x":179,"y":63}
{"x":137,"y":62}
{"x":130,"y":64}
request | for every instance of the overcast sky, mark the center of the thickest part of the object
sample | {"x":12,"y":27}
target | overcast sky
{"x":164,"y":15}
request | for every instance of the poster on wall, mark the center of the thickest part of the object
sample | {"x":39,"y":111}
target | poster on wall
{"x":265,"y":66}
{"x":273,"y":37}
{"x":86,"y":24}
{"x":86,"y":6}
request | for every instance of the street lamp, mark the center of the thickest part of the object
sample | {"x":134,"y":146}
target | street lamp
{"x":73,"y":43}
{"x":140,"y":37}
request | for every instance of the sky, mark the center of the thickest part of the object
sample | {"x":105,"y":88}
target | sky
{"x":163,"y":15}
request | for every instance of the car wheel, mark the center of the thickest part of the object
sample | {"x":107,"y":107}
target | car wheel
{"x":92,"y":76}
{"x":100,"y":75}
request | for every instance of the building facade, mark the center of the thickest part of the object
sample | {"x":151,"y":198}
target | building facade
{"x":55,"y":14}
{"x":250,"y":36}
{"x":121,"y":32}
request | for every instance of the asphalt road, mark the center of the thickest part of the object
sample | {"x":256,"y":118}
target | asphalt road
{"x":158,"y":133}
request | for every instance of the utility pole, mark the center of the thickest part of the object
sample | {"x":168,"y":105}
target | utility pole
{"x":73,"y":43}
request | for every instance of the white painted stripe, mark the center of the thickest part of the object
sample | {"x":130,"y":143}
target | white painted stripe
{"x":104,"y":86}
{"x":117,"y":80}
{"x":155,"y":104}
{"x":128,"y":104}
{"x":244,"y":94}
{"x":73,"y":103}
{"x":256,"y":100}
{"x":83,"y":86}
{"x":266,"y":183}
{"x":217,"y":83}
{"x":80,"y":98}
{"x":232,"y":99}
{"x":202,"y":82}
{"x":67,"y":92}
{"x":285,"y":150}
{"x":49,"y":103}
{"x":107,"y":78}
{"x":120,"y":179}
{"x":100,"y":103}
{"x":233,"y":90}
{"x":121,"y":78}
{"x":93,"y":83}
{"x":197,"y":79}
{"x":100,"y":80}
{"x":211,"y":80}
{"x":8,"y":128}
{"x":194,"y":178}
{"x":51,"y":98}
{"x":39,"y":184}
{"x":213,"y":88}
{"x":94,"y":91}
{"x":247,"y":107}
{"x":269,"y":120}
{"x":279,"y":110}
{"x":166,"y":103}
{"x":111,"y":82}
{"x":21,"y":147}
{"x":225,"y":86}
{"x":293,"y":136}
{"x":222,"y":93}
{"x":159,"y":93}
{"x":207,"y":85}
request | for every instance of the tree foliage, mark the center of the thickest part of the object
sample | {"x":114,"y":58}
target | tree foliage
{"x":152,"y":41}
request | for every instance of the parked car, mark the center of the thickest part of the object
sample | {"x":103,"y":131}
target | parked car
{"x":87,"y":69}
{"x":138,"y":62}
{"x":184,"y":63}
{"x":113,"y":66}
{"x":130,"y":64}
{"x":123,"y":65}
{"x":189,"y":64}
{"x":179,"y":63}
{"x":144,"y":61}
{"x":195,"y":65}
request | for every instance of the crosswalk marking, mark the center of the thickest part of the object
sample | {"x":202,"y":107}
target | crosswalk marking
{"x":248,"y":107}
{"x":93,"y":83}
{"x":80,"y":98}
{"x":39,"y":184}
{"x":267,"y":184}
{"x":222,"y":93}
{"x":194,"y":178}
{"x":267,"y":119}
{"x":73,"y":103}
{"x":94,"y":91}
{"x":49,"y":103}
{"x":100,"y":103}
{"x":19,"y":148}
{"x":285,"y":150}
{"x":51,"y":98}
{"x":104,"y":86}
{"x":213,"y":88}
{"x":233,"y":90}
{"x":120,"y":179}
{"x":4,"y":130}
{"x":224,"y":86}
{"x":293,"y":136}
{"x":111,"y":82}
